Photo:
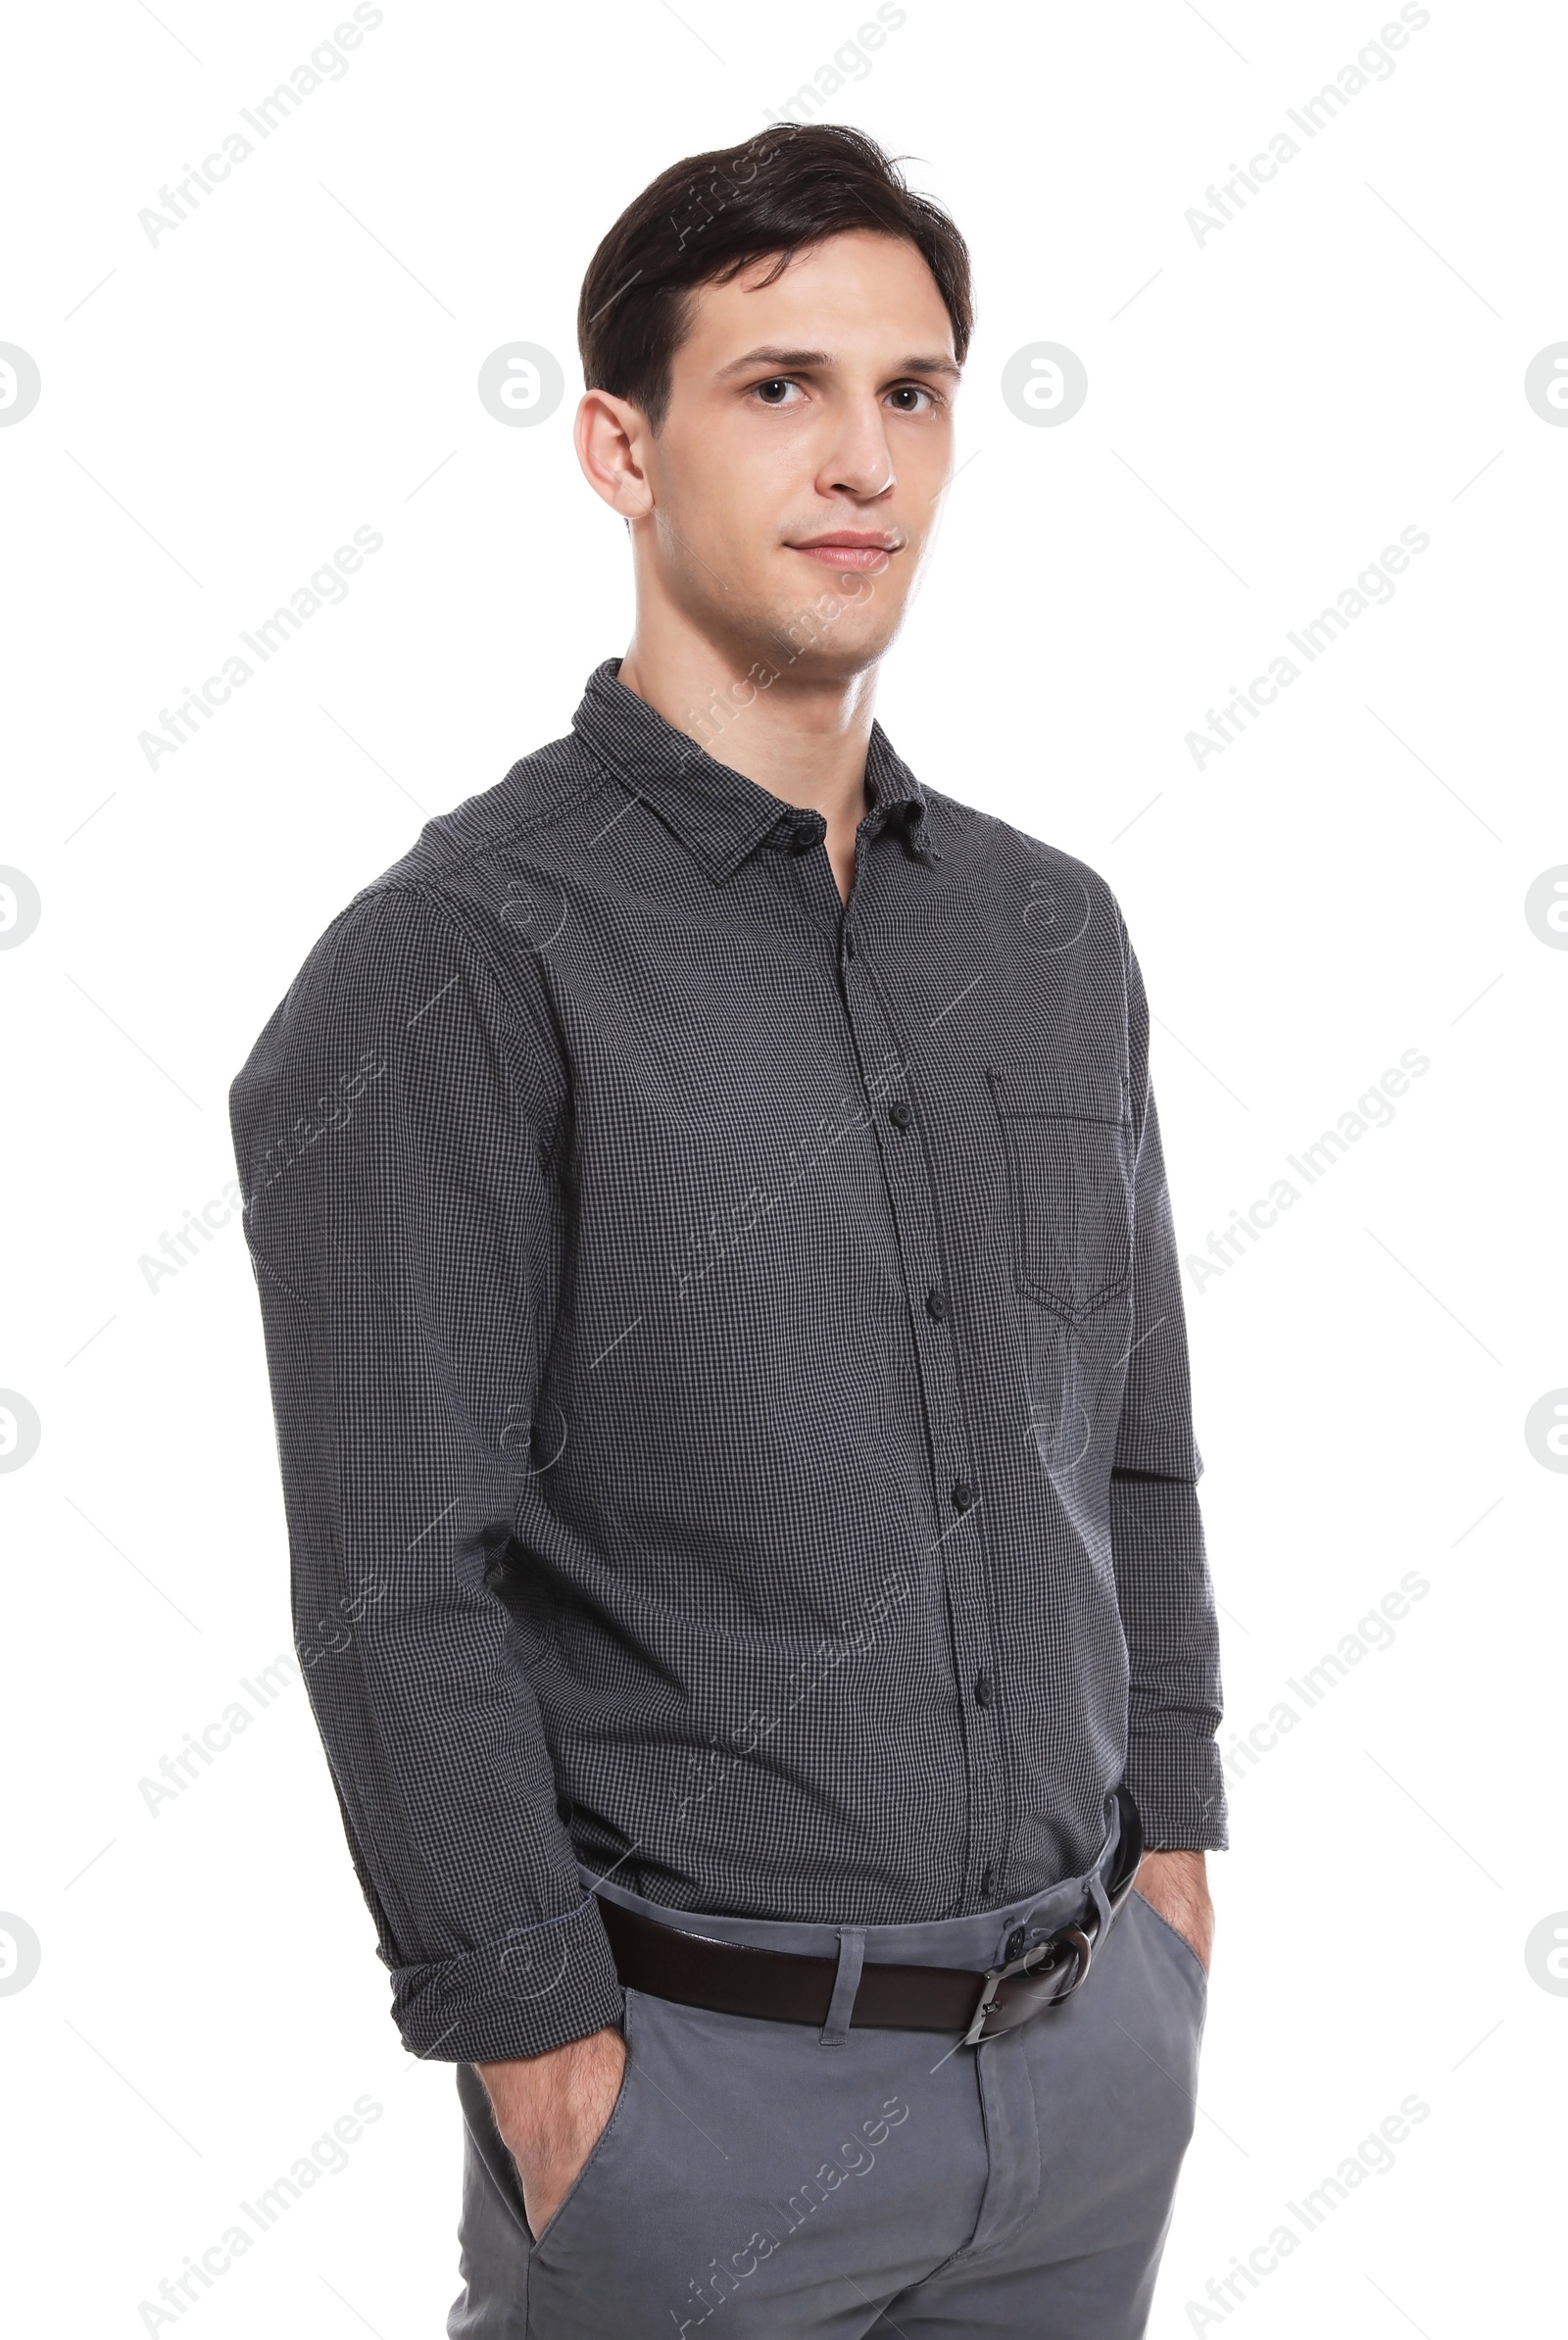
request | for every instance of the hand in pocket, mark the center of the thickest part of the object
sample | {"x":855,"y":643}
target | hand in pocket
{"x":552,"y":2110}
{"x":1176,"y":1883}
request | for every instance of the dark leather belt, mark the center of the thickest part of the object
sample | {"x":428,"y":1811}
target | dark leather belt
{"x":782,"y":1986}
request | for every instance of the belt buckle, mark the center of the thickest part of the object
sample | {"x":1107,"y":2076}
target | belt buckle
{"x":1041,"y":1959}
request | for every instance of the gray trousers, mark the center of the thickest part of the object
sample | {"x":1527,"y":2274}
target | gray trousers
{"x":762,"y":2180}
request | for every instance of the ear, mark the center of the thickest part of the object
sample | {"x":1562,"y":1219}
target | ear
{"x":611,"y":436}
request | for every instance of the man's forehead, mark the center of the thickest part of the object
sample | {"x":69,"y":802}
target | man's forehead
{"x":827,"y":302}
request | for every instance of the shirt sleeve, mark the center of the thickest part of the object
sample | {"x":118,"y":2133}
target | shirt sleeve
{"x":393,"y":1131}
{"x":1168,"y":1603}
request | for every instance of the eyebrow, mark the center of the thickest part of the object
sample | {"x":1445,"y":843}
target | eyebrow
{"x":804,"y":361}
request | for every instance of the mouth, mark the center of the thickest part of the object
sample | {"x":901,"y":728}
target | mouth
{"x":850,"y":548}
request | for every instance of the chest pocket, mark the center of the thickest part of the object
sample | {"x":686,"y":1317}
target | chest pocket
{"x":1068,"y":1138}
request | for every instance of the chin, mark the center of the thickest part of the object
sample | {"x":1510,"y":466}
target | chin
{"x":813,"y":648}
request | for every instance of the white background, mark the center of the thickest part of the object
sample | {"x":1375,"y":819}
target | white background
{"x":1266,"y":411}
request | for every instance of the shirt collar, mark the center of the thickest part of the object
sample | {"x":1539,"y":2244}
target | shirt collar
{"x":719,"y":814}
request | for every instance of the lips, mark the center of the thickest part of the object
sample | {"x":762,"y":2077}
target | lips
{"x":848,"y":549}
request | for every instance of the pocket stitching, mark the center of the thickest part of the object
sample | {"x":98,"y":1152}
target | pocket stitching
{"x":1072,"y":1312}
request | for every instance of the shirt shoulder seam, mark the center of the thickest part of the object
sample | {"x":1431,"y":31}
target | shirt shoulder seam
{"x":514,"y":833}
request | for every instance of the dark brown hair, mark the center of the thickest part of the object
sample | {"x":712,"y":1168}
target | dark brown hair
{"x":701,"y":221}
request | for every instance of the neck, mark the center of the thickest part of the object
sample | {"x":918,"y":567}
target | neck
{"x":803,"y":738}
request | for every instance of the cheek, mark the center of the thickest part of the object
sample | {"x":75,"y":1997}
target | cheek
{"x":925,"y":449}
{"x":724,"y":490}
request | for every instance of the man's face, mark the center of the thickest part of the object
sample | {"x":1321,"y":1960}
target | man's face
{"x":815,"y":410}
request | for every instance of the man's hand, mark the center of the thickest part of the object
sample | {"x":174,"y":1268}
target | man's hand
{"x":551,"y":2111}
{"x":1177,"y":1885}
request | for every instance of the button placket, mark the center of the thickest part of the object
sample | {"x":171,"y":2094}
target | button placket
{"x":960,"y":1546}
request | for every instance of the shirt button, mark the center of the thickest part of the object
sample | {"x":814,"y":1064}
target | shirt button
{"x":963,"y":1496}
{"x":988,"y":1883}
{"x":848,"y":945}
{"x":983,"y":1691}
{"x":1014,"y":1945}
{"x":799,"y":831}
{"x":900,"y":1114}
{"x":936,"y":1303}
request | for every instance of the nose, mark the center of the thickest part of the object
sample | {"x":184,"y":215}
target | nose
{"x":859,"y":462}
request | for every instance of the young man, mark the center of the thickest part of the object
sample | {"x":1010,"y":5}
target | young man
{"x":731,"y":1388}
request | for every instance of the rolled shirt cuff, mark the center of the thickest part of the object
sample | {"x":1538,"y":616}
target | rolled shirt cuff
{"x":536,"y":1989}
{"x":1178,"y":1783}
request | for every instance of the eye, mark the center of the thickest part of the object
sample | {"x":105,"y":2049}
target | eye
{"x":771,"y":391}
{"x":911,"y":390}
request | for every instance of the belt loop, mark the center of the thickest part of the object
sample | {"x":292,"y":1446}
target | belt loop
{"x":846,"y":1982}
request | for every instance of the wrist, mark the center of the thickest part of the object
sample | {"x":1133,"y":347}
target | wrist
{"x":540,"y":2102}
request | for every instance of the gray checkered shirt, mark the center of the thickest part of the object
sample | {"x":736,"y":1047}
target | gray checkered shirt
{"x":730,"y":1371}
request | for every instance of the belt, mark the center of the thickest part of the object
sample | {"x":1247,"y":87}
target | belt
{"x":782,"y":1986}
